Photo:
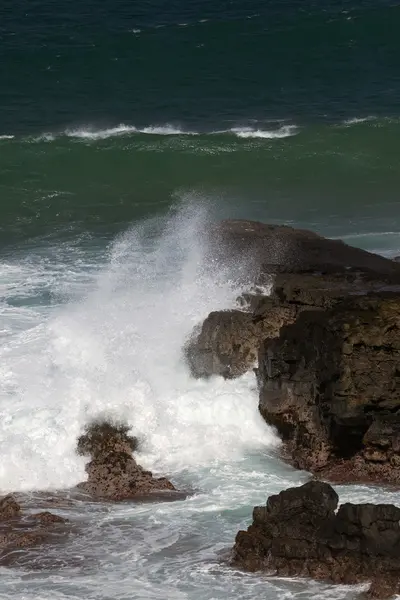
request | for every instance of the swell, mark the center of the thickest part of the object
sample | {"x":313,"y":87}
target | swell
{"x":320,"y":176}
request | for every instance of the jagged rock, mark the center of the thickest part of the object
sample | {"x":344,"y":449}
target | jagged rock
{"x":229,"y":340}
{"x":113,"y":473}
{"x":23,"y":531}
{"x":281,"y":249}
{"x":309,"y":273}
{"x":330,"y":383}
{"x":9,"y":508}
{"x":298,"y":533}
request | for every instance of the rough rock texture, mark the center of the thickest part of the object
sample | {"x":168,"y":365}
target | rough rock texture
{"x":229,"y":341}
{"x":113,"y":473}
{"x":330,"y":383}
{"x":9,"y":508}
{"x":298,"y":533}
{"x":282,"y":249}
{"x":305,"y":272}
{"x":24,"y":531}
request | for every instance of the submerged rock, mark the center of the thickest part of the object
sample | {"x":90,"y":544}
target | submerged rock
{"x":330,"y":383}
{"x":18,"y":530}
{"x":113,"y":472}
{"x":298,"y":533}
{"x":9,"y":508}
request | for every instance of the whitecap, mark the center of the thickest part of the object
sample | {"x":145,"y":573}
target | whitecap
{"x":250,"y":132}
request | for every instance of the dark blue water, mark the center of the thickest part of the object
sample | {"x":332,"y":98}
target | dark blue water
{"x":202,"y":64}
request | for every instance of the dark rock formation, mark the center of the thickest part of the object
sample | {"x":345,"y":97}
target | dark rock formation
{"x":305,"y":271}
{"x":281,"y":249}
{"x":113,"y":473}
{"x":298,"y":533}
{"x":24,"y":531}
{"x":9,"y":508}
{"x":330,"y":383}
{"x":229,"y":341}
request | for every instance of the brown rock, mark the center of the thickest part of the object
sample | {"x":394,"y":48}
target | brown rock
{"x":298,"y":533}
{"x":113,"y":473}
{"x":306,"y":272}
{"x":9,"y":508}
{"x":331,"y":385}
{"x":281,"y":249}
{"x":47,"y":518}
{"x":18,"y":531}
{"x":229,"y":340}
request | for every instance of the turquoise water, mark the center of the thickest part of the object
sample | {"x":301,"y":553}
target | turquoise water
{"x":125,"y":129}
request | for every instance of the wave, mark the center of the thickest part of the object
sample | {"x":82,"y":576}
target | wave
{"x":256,"y":131}
{"x":121,"y":130}
{"x":92,"y":134}
{"x":249,"y":132}
{"x":117,"y":351}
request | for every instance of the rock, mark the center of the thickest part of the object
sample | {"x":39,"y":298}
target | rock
{"x":113,"y":473}
{"x":23,"y":531}
{"x":305,"y":272}
{"x":229,"y":340}
{"x":9,"y":508}
{"x":47,"y":518}
{"x":330,"y":384}
{"x":298,"y":533}
{"x":282,"y":249}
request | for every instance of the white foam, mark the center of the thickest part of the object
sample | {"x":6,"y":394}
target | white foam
{"x":7,"y":137}
{"x":118,"y":352}
{"x":358,"y":120}
{"x":166,"y":130}
{"x":100,"y":134}
{"x":250,"y":132}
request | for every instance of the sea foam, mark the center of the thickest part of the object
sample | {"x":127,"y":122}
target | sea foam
{"x":118,"y":352}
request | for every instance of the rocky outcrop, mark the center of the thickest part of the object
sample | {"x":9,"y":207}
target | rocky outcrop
{"x":19,"y":530}
{"x":302,"y":270}
{"x":261,"y":248}
{"x":228,"y":341}
{"x":330,"y":383}
{"x":113,"y":472}
{"x":298,"y":533}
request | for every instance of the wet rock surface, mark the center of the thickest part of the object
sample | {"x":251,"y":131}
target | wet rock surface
{"x":298,"y":533}
{"x":113,"y":472}
{"x":270,"y":248}
{"x":330,"y":383}
{"x":20,"y":531}
{"x":303,"y":270}
{"x":326,"y":341}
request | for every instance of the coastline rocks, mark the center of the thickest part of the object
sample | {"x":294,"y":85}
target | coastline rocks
{"x":113,"y":473}
{"x":24,"y":531}
{"x":304,"y":272}
{"x":283,"y":249}
{"x":298,"y":533}
{"x":229,"y":340}
{"x":330,"y":384}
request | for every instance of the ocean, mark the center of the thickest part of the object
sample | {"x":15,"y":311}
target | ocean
{"x":125,"y":129}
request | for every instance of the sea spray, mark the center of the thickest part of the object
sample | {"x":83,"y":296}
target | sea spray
{"x":118,"y":352}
